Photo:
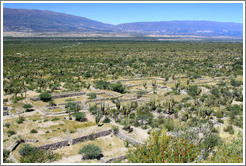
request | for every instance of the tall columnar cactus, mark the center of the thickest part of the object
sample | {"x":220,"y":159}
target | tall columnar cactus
{"x":170,"y":106}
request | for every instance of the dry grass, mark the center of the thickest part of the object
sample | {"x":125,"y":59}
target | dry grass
{"x":110,"y":145}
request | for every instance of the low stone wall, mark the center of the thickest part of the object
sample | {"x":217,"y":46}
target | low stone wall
{"x":30,"y":140}
{"x":5,"y":113}
{"x":57,"y":145}
{"x":126,"y":138}
{"x":78,"y":102}
{"x":54,"y":146}
{"x":11,"y":157}
{"x":122,"y":157}
{"x":15,"y":145}
{"x":61,"y":96}
{"x":90,"y":137}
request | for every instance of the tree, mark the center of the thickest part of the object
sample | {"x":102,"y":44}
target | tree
{"x":72,"y":107}
{"x":161,"y":148}
{"x":194,"y":91}
{"x":117,"y":87}
{"x":45,"y":96}
{"x":91,"y":151}
{"x":79,"y":116}
{"x":27,"y":107}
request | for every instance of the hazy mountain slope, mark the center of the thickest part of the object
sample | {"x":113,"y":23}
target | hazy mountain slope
{"x":48,"y":21}
{"x":185,"y":27}
{"x":26,"y":20}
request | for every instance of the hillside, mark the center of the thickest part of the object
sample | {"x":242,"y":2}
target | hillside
{"x":26,"y":20}
{"x":185,"y":28}
{"x":43,"y":21}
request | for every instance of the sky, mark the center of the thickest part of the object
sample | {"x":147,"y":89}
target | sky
{"x":116,"y":13}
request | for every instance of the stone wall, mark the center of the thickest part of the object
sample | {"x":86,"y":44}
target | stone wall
{"x":126,"y":138}
{"x":57,"y":145}
{"x":91,"y":136}
{"x":55,"y":96}
{"x":122,"y":157}
{"x":5,"y":113}
{"x":15,"y":145}
{"x":54,"y":146}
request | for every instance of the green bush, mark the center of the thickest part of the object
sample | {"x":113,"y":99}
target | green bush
{"x":79,"y":116}
{"x":220,"y":121}
{"x":20,"y":120}
{"x":106,"y":120}
{"x":161,"y":148}
{"x":193,"y":91}
{"x":7,"y":125}
{"x":231,"y":152}
{"x":102,"y":84}
{"x":27,"y":107}
{"x":229,"y":129}
{"x":117,"y":87}
{"x":209,"y":142}
{"x":30,"y":154}
{"x":92,"y":95}
{"x":218,"y":114}
{"x":33,"y":131}
{"x":91,"y":151}
{"x":10,"y":133}
{"x":141,"y":93}
{"x":55,"y":119}
{"x":93,"y":109}
{"x":115,"y":129}
{"x":5,"y":155}
{"x":45,"y":96}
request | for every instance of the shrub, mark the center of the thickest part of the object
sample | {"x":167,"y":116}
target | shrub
{"x":5,"y":155}
{"x":169,"y":125}
{"x":229,"y":152}
{"x":102,"y":84}
{"x":27,"y":107}
{"x":93,"y":109}
{"x":91,"y":151}
{"x":229,"y":129}
{"x":235,"y":83}
{"x":210,"y":142}
{"x":33,"y":131}
{"x":218,"y":114}
{"x":7,"y":125}
{"x":55,"y":119}
{"x":115,"y":129}
{"x":106,"y":120}
{"x":164,"y":149}
{"x":92,"y":95}
{"x":117,"y":87}
{"x":194,"y":91}
{"x":141,"y":93}
{"x":72,"y":106}
{"x":20,"y":120}
{"x":220,"y":121}
{"x":79,"y":116}
{"x":45,"y":96}
{"x":30,"y":154}
{"x":26,"y":150}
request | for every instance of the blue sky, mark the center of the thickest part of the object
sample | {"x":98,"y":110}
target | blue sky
{"x":116,"y":13}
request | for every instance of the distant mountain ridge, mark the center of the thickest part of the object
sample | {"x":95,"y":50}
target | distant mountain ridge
{"x":30,"y":20}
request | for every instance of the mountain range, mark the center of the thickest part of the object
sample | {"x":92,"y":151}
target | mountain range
{"x":43,"y":21}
